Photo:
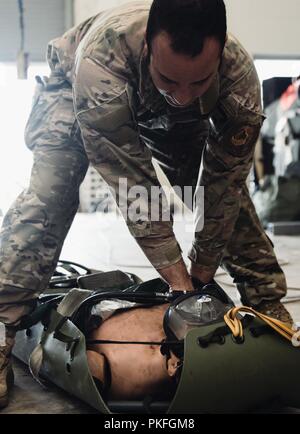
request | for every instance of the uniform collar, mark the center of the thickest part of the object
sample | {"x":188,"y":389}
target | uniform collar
{"x":150,"y":96}
{"x":209,"y":100}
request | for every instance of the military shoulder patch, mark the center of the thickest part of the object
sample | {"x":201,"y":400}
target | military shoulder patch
{"x":244,"y":135}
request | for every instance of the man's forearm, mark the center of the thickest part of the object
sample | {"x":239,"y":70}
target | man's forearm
{"x":177,"y":277}
{"x":201,"y":274}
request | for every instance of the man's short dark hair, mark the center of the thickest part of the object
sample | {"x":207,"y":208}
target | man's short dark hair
{"x":188,"y":23}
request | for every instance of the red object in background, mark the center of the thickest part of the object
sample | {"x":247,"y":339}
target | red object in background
{"x":290,"y":96}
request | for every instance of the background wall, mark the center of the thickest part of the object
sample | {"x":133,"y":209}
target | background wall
{"x":265,"y":27}
{"x":44,"y":20}
{"x":86,"y":8}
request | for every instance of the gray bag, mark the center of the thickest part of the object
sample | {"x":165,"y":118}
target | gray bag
{"x":278,"y":199}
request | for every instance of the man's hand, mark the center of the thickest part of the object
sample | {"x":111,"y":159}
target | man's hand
{"x":177,"y":277}
{"x":202,"y":275}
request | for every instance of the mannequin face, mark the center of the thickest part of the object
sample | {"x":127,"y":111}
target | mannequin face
{"x":181,"y":78}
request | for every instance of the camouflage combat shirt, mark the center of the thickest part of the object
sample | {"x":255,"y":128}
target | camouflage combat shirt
{"x":103,"y":60}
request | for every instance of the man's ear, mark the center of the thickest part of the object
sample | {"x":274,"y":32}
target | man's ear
{"x":172,"y":364}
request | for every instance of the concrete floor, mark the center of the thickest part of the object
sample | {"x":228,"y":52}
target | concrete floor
{"x":103,"y":243}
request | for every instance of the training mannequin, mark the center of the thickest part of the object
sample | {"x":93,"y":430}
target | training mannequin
{"x":136,"y":370}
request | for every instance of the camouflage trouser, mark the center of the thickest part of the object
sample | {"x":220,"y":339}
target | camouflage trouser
{"x":249,"y":257}
{"x":37,"y":223}
{"x":35,"y":227}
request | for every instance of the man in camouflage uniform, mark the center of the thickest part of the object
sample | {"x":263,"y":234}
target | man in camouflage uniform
{"x":116,"y":100}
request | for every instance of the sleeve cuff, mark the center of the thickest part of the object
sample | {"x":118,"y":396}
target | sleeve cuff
{"x":161,"y":256}
{"x":206,"y":260}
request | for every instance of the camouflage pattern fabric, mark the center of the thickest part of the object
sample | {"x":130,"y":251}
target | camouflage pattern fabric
{"x":37,"y":223}
{"x":99,"y":105}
